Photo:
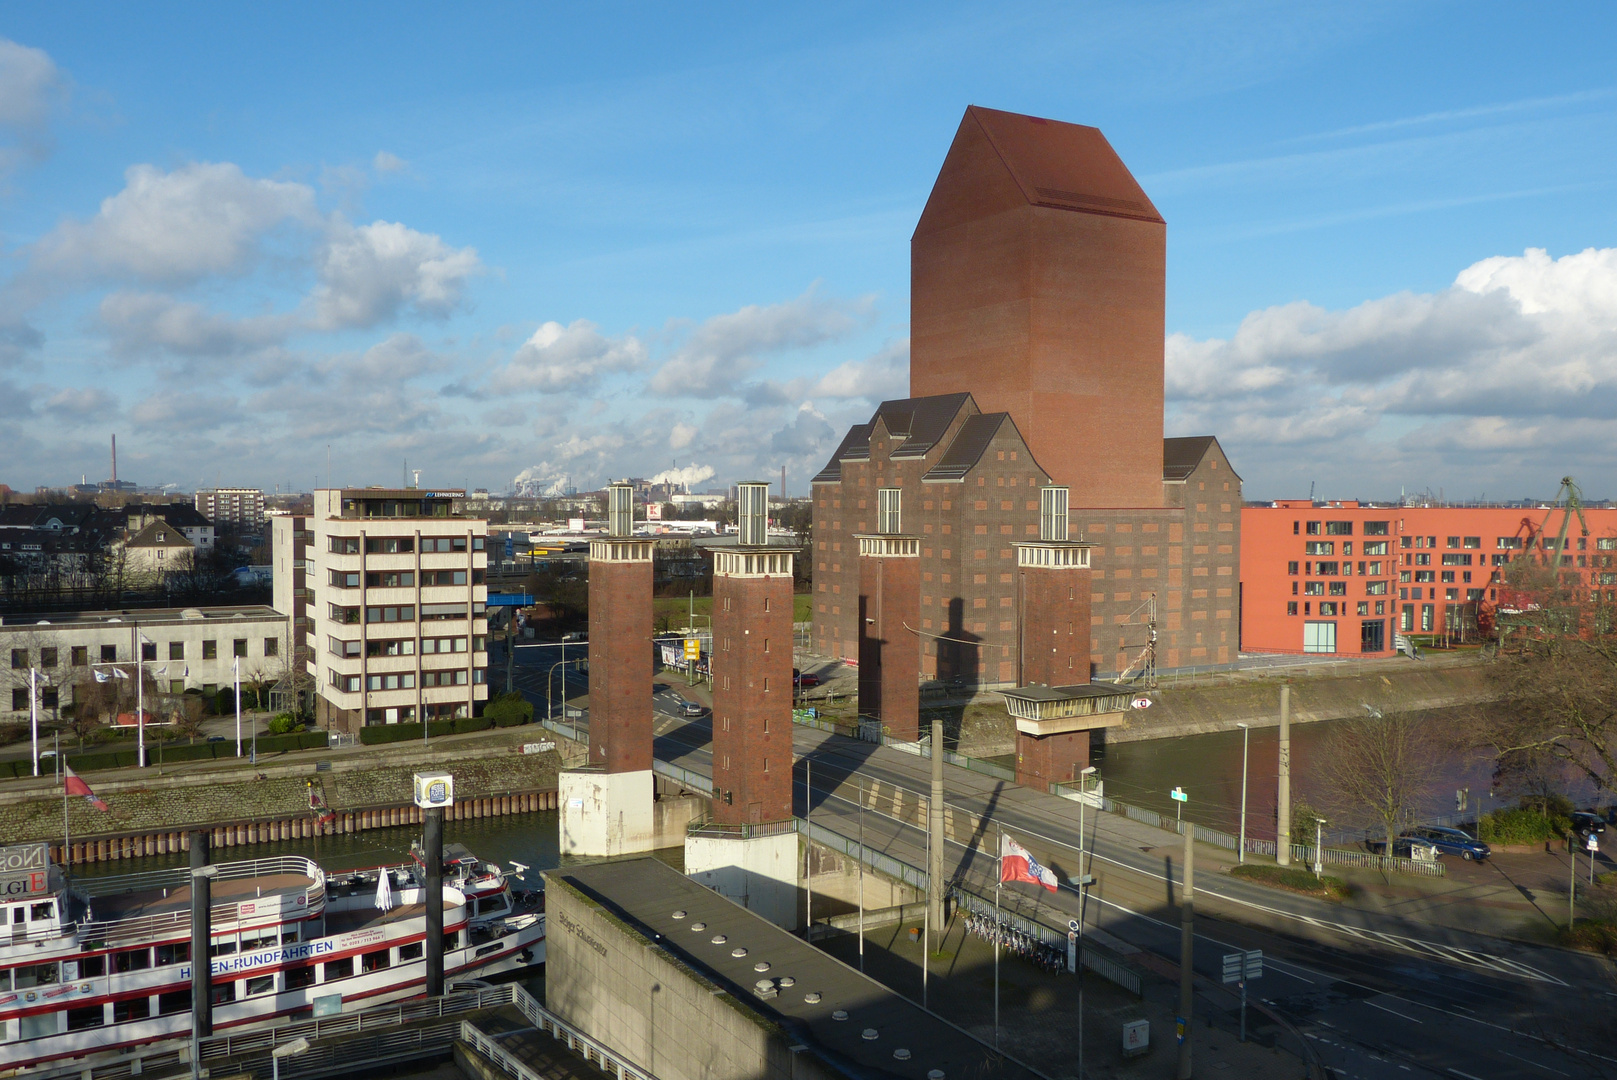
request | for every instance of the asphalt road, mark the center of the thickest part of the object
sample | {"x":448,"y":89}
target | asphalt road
{"x":1375,"y":996}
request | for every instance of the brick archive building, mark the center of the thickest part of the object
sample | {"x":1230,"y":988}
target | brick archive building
{"x":1037,"y":307}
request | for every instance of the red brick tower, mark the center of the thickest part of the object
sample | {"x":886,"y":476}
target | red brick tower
{"x":1056,"y":705}
{"x":889,"y":618}
{"x":1037,"y":284}
{"x":620,"y":641}
{"x":607,"y":806}
{"x":752,"y":672}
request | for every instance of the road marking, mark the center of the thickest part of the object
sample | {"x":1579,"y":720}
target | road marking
{"x":1384,"y":1009}
{"x":1529,"y":1061}
{"x":1464,"y":1075}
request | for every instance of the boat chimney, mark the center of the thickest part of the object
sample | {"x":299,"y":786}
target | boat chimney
{"x":199,"y":850}
{"x":201,"y":961}
{"x":433,"y":792}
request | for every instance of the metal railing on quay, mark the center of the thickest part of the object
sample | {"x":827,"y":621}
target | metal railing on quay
{"x":744,"y":831}
{"x":383,"y":1016}
{"x":1301,"y":853}
{"x":681,"y":775}
{"x":602,"y":1056}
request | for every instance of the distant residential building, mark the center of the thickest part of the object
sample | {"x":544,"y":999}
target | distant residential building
{"x":386,"y":586}
{"x":242,"y":508}
{"x":177,"y":649}
{"x":156,"y":549}
{"x":181,"y":516}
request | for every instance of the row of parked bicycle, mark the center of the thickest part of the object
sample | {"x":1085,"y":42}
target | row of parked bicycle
{"x":1016,"y":942}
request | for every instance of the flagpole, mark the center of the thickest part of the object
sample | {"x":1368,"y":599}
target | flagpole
{"x":33,"y":712}
{"x":926,"y":932}
{"x":861,"y":876}
{"x":999,"y":874}
{"x":140,"y":697}
{"x":235,"y":670}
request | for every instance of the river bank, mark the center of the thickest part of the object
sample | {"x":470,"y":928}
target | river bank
{"x":295,"y":796}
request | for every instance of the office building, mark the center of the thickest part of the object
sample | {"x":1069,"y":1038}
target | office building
{"x":390,"y":604}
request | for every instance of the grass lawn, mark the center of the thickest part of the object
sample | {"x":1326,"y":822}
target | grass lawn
{"x":1294,"y":880}
{"x":677,"y":608}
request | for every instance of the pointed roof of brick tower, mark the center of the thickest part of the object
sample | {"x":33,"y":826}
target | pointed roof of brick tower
{"x":1045,"y":163}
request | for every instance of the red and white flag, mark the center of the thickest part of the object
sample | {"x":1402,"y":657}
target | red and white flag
{"x":1016,"y":863}
{"x":76,"y":786}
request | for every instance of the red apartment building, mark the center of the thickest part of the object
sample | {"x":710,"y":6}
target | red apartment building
{"x":1343,"y":577}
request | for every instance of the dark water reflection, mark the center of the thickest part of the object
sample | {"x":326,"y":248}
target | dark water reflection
{"x":1208,"y":767}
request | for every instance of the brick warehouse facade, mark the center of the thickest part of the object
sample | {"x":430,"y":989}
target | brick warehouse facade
{"x":1036,"y":360}
{"x":971,"y":491}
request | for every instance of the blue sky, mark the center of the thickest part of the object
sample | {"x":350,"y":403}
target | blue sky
{"x":595,"y":240}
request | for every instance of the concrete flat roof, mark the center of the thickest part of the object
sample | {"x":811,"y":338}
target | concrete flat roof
{"x":143,"y":616}
{"x":647,"y":895}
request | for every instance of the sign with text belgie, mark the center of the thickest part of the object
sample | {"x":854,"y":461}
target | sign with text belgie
{"x":25,"y":869}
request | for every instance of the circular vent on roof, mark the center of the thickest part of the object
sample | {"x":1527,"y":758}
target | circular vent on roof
{"x":840,"y":1014}
{"x":698,"y":926}
{"x":738,"y":951}
{"x":812,"y":997}
{"x":870,"y":1035}
{"x":719,"y":939}
{"x":680,"y":914}
{"x":901,"y":1054}
{"x":761,"y":966}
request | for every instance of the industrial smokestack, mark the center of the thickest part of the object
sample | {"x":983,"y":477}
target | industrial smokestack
{"x":115,"y":462}
{"x":752,"y":513}
{"x":619,"y":509}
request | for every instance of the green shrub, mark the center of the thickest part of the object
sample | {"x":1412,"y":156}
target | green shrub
{"x":1294,"y":879}
{"x":509,"y":710}
{"x":391,"y":733}
{"x":1523,"y":825}
{"x":1594,"y":935}
{"x":283,"y":724}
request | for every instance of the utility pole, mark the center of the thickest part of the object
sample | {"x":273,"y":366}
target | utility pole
{"x":934,"y":868}
{"x":1187,"y":953}
{"x":1283,"y":789}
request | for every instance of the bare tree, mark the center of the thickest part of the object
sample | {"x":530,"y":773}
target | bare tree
{"x":1374,"y":769}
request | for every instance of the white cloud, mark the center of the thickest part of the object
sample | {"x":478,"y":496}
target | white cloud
{"x":1471,"y":376}
{"x":154,"y":322}
{"x":31,"y":85}
{"x":368,"y":273}
{"x":189,"y":412}
{"x":385,"y":162}
{"x":79,"y":403}
{"x":558,"y":359}
{"x":720,"y":353}
{"x":203,"y":219}
{"x":685,"y":475}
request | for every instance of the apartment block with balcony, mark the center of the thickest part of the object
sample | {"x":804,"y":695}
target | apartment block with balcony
{"x":386,"y":586}
{"x":242,"y":508}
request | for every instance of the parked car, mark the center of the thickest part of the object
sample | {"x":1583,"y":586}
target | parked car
{"x":806,"y":680}
{"x":1585,"y":823}
{"x":1450,"y":842}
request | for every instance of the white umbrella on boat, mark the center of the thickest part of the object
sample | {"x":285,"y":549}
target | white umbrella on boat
{"x":384,"y":891}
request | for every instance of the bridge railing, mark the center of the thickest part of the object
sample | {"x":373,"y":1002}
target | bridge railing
{"x":596,"y":1053}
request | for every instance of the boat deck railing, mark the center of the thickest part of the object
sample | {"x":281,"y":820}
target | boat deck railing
{"x":167,"y":923}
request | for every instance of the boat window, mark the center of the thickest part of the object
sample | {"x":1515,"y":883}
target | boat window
{"x":471,"y":905}
{"x":222,"y":948}
{"x":373,"y":961}
{"x":177,"y":953}
{"x":299,"y":977}
{"x":132,"y":960}
{"x":175,"y":1001}
{"x":19,"y":914}
{"x":249,"y":944}
{"x":92,"y":967}
{"x":224,"y":993}
{"x":290,"y":936}
{"x":46,"y":910}
{"x":410,"y":952}
{"x":91,"y":1016}
{"x":452,"y":941}
{"x":40,"y":1024}
{"x":339,"y":969}
{"x":133,"y":1009}
{"x":36,"y":975}
{"x":260,"y":984}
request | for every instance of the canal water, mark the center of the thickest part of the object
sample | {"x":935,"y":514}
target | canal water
{"x":1208,"y":769}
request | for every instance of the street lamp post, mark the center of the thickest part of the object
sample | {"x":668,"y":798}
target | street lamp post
{"x":34,"y":677}
{"x":1319,"y":853}
{"x":1246,"y":733}
{"x":1081,"y":785}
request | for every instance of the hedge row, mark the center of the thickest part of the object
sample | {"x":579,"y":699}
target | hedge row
{"x":390,"y":733}
{"x":119,"y":759}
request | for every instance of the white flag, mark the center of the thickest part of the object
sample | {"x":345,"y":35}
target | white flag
{"x":119,"y":673}
{"x":101,"y":676}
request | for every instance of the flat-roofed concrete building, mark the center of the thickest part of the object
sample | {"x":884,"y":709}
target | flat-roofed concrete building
{"x":242,"y":508}
{"x":176,"y":649}
{"x":392,"y":602}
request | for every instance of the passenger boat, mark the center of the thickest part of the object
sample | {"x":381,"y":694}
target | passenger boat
{"x":94,"y":967}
